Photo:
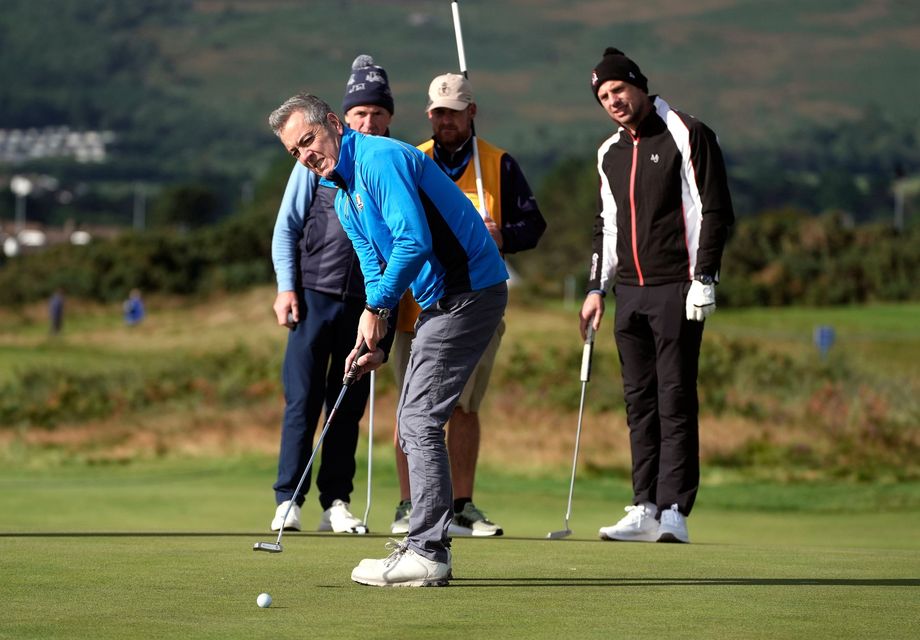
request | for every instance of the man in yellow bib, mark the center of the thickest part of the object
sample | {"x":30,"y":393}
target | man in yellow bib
{"x":515,"y":223}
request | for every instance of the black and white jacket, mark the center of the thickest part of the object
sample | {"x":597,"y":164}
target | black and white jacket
{"x":664,"y":208}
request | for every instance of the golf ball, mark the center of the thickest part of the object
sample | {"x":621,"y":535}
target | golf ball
{"x":264,"y":600}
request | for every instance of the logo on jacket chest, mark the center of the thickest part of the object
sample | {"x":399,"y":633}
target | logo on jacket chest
{"x":359,"y":202}
{"x":654,"y":158}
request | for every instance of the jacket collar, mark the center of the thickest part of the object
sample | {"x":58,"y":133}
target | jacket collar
{"x":343,"y":175}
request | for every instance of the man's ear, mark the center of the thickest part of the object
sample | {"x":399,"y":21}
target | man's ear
{"x":335,"y":123}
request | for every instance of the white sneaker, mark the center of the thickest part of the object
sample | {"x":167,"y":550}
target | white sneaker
{"x":472,"y":522}
{"x":339,"y":519}
{"x":638,"y":525}
{"x":402,"y":568}
{"x":401,"y":520}
{"x":673,"y":527}
{"x":292,"y":523}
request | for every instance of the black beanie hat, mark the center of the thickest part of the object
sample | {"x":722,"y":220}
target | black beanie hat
{"x":616,"y":66}
{"x":367,"y":84}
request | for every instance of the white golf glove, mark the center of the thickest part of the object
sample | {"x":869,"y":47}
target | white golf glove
{"x":701,"y":301}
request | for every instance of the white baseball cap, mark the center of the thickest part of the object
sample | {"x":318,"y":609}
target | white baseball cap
{"x":451,"y":91}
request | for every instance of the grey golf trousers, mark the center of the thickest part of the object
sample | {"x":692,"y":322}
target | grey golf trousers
{"x":450,"y":337}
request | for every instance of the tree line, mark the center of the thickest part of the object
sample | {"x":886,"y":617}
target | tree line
{"x":778,"y":257}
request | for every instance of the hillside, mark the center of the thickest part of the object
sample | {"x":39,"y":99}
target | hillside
{"x":186,"y":85}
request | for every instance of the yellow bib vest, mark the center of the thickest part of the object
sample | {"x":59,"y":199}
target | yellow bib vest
{"x":490,"y":163}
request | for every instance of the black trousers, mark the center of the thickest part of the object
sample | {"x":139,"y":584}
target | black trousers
{"x":659,"y":353}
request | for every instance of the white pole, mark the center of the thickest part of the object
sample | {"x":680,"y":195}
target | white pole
{"x":461,"y":55}
{"x":20,"y":219}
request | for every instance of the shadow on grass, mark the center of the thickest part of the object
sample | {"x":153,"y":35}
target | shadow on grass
{"x":684,"y":582}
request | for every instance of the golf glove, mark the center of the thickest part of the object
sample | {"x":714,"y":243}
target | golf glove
{"x":701,"y":301}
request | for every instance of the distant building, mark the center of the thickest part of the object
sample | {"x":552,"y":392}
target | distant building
{"x":18,"y":146}
{"x":37,"y":237}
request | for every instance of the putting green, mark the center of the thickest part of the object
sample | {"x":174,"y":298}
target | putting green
{"x":163,"y":549}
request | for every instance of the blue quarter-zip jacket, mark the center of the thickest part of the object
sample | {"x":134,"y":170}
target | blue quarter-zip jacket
{"x":409,"y":223}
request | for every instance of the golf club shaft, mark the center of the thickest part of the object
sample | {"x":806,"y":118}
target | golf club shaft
{"x":370,"y":447}
{"x":350,"y":377}
{"x":586,"y":354}
{"x":461,"y":55}
{"x":581,"y":409}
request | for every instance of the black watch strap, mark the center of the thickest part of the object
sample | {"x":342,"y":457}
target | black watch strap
{"x":381,"y":312}
{"x":704,"y":278}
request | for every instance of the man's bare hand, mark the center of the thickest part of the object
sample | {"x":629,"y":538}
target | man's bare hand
{"x":494,"y":231}
{"x":366,"y":363}
{"x":592,"y":310}
{"x":287,"y":309}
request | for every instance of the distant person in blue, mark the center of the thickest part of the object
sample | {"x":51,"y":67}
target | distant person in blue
{"x":133,"y":308}
{"x":411,"y":227}
{"x":56,"y":311}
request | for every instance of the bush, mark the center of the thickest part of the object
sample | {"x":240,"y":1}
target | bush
{"x":45,"y":397}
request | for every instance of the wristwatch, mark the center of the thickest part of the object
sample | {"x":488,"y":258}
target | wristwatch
{"x":705,"y":279}
{"x":381,"y":312}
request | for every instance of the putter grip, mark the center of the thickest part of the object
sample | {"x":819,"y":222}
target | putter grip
{"x":352,"y":374}
{"x":586,"y":355}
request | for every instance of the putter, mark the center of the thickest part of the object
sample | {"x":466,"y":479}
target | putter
{"x":350,"y":377}
{"x":585,"y":376}
{"x":370,"y":452}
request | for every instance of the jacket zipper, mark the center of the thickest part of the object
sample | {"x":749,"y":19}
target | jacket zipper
{"x":632,"y":207}
{"x":355,"y":256}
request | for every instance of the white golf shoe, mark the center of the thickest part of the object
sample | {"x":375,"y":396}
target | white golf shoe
{"x":402,"y":568}
{"x":291,"y":523}
{"x":339,"y":519}
{"x":472,"y":522}
{"x":401,"y":520}
{"x":638,"y":525}
{"x":673,"y":526}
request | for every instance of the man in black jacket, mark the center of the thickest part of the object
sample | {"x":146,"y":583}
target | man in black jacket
{"x":664,"y":211}
{"x":320,"y":299}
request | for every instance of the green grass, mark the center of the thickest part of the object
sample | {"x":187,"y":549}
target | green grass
{"x":205,"y":587}
{"x":163,"y":549}
{"x":883,"y":338}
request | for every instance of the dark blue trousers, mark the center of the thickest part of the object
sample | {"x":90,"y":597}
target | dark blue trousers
{"x":314,"y":364}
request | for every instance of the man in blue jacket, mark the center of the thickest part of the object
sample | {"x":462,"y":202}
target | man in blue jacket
{"x":320,"y":299}
{"x":411,"y":227}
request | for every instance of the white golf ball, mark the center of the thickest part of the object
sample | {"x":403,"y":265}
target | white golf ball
{"x":264,"y":600}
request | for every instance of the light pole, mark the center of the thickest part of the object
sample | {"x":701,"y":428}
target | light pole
{"x":22,"y":187}
{"x":140,"y":207}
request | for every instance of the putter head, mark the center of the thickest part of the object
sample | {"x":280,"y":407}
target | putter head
{"x":268,"y":547}
{"x":558,"y":535}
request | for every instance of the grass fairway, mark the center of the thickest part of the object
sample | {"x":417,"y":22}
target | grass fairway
{"x":140,"y":524}
{"x":163,"y":549}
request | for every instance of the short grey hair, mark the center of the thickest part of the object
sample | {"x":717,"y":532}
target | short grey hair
{"x":314,"y":109}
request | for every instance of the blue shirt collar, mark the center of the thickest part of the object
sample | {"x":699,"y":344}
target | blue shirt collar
{"x":344,"y":173}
